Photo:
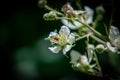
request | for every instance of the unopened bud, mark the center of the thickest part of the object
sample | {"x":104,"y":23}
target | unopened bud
{"x":66,"y":7}
{"x":50,"y":16}
{"x":90,"y":46}
{"x":42,"y":3}
{"x":100,"y":10}
{"x":100,"y":48}
{"x":72,"y":13}
{"x":76,"y":66}
{"x":83,"y":60}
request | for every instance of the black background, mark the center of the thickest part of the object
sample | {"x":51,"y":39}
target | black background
{"x":16,"y":37}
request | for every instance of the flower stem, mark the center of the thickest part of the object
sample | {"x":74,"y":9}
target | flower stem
{"x":92,"y":29}
{"x":97,"y":62}
{"x":97,"y":39}
{"x":51,"y":9}
{"x":92,"y":36}
{"x":83,"y":36}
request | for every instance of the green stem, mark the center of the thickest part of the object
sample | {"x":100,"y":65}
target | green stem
{"x":83,"y":36}
{"x":93,"y":30}
{"x":51,"y":9}
{"x":92,"y":36}
{"x":97,"y":39}
{"x":97,"y":62}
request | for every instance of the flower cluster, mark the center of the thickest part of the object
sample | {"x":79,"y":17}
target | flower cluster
{"x":79,"y":25}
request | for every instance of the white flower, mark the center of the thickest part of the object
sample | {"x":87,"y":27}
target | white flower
{"x":86,"y":18}
{"x":114,"y":37}
{"x":64,"y":40}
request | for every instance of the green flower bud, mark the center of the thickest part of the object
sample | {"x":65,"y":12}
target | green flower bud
{"x":100,"y":48}
{"x":50,"y":16}
{"x":100,"y":10}
{"x":90,"y":46}
{"x":42,"y":3}
{"x":83,"y":60}
{"x":83,"y":30}
{"x":66,"y":7}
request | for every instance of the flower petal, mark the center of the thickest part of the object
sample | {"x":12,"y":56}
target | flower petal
{"x":89,"y":14}
{"x":116,"y":42}
{"x":67,"y":48}
{"x":113,"y":49}
{"x":71,"y":38}
{"x":55,"y":49}
{"x":114,"y":32}
{"x":53,"y":37}
{"x":77,"y":24}
{"x":72,"y":25}
{"x":64,"y":31}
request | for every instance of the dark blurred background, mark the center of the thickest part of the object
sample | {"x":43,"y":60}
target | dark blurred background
{"x":24,"y":53}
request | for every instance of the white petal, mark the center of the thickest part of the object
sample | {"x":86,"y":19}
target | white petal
{"x":113,"y":49}
{"x":53,"y":34}
{"x":114,"y":32}
{"x":71,"y":38}
{"x":65,"y":31}
{"x":116,"y":42}
{"x":52,"y":37}
{"x":71,"y":25}
{"x":77,"y":24}
{"x":66,"y":49}
{"x":55,"y":49}
{"x":89,"y":14}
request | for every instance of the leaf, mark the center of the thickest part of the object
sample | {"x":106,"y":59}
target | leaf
{"x":74,"y":56}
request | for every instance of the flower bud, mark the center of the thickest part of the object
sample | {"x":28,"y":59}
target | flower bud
{"x":90,"y":46}
{"x":100,"y":48}
{"x":72,"y":13}
{"x":42,"y":3}
{"x":66,"y":7}
{"x":76,"y":66}
{"x":50,"y":16}
{"x":83,"y":60}
{"x":100,"y":11}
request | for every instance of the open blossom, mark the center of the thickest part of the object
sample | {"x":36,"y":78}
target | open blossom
{"x":114,"y":37}
{"x":84,"y":16}
{"x":62,"y":41}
